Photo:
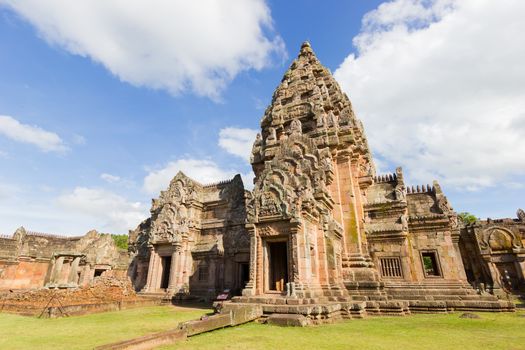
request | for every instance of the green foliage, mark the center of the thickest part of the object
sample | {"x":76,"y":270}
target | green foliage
{"x":427,"y":262}
{"x":121,"y":241}
{"x":467,"y":218}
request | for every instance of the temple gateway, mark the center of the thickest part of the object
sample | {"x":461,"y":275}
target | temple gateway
{"x":321,"y":234}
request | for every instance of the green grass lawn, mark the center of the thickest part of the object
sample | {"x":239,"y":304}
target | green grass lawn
{"x":492,"y":331}
{"x":86,"y":332}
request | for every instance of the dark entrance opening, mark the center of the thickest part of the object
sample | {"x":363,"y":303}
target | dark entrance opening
{"x":166,"y":267}
{"x":508,"y":275}
{"x":98,"y":272}
{"x":244,"y":274}
{"x":278,"y":264}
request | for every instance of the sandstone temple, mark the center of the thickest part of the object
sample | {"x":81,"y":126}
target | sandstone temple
{"x":322,"y":234}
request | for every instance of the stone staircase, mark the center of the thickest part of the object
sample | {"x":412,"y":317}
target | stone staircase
{"x":442,"y":296}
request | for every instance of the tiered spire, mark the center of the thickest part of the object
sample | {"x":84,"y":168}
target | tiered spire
{"x":310,"y":100}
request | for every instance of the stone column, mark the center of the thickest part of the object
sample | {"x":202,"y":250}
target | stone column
{"x":180,"y":267}
{"x":520,"y":266}
{"x":174,"y":273}
{"x":157,"y":272}
{"x":149,"y":282}
{"x":295,"y":261}
{"x":495,"y":275}
{"x":249,"y":290}
{"x":459,"y":261}
{"x":57,"y":270}
{"x":73,"y":278}
{"x":186,"y":266}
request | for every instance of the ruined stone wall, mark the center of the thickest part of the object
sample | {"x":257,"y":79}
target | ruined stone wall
{"x":33,"y":260}
{"x":494,"y":254}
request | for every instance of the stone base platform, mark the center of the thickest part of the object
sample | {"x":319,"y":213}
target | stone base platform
{"x":445,"y":296}
{"x":331,"y":309}
{"x":321,"y":310}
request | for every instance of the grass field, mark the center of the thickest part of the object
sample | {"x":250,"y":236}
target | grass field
{"x":492,"y":331}
{"x":86,"y":332}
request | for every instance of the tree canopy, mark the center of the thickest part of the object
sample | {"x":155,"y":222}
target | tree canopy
{"x":467,"y":218}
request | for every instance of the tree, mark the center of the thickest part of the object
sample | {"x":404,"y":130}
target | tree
{"x":121,"y":241}
{"x":467,"y":218}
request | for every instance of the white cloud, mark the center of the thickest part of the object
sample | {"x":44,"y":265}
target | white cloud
{"x":237,"y":141}
{"x":45,"y":140}
{"x":107,"y":210}
{"x":110,"y":178}
{"x":201,"y":170}
{"x":172,"y":45}
{"x":440,"y":87}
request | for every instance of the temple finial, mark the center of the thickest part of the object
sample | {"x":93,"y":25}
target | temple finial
{"x":306,"y":49}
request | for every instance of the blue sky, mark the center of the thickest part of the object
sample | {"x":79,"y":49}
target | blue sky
{"x":100,"y":105}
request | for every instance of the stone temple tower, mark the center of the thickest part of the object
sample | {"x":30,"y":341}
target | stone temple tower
{"x":321,"y":235}
{"x":312,"y":167}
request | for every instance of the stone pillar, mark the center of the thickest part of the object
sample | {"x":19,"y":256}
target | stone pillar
{"x":59,"y":262}
{"x":157,"y":272}
{"x":459,"y":261}
{"x":495,"y":275}
{"x":174,"y":269}
{"x":149,"y":282}
{"x":73,"y":277}
{"x":295,"y":256}
{"x":180,"y":267}
{"x":187,"y":264}
{"x":249,"y":290}
{"x":520,"y":267}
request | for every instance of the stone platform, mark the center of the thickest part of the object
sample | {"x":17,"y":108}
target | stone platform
{"x":331,"y":309}
{"x":322,"y":310}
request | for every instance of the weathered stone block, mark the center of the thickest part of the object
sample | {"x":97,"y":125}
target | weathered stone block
{"x":288,"y":320}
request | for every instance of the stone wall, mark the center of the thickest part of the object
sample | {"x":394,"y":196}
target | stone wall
{"x":33,"y":260}
{"x":494,"y":254}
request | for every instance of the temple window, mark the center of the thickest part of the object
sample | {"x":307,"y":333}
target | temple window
{"x":390,"y":267}
{"x":430,"y":264}
{"x":203,"y":273}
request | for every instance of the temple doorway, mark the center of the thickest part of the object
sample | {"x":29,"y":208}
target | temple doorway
{"x":166,"y":267}
{"x":278,"y":265}
{"x":244,"y":274}
{"x":508,"y":275}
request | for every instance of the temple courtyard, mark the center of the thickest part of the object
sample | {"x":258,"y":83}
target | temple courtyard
{"x":450,"y":331}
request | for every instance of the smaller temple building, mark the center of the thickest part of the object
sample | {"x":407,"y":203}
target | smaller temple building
{"x":194,"y":242}
{"x":31,"y":260}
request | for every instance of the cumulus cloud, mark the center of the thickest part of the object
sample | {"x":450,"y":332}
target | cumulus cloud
{"x":440,"y":86}
{"x":201,"y":170}
{"x":237,"y":141}
{"x":107,"y":210}
{"x":172,"y":45}
{"x":45,"y":140}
